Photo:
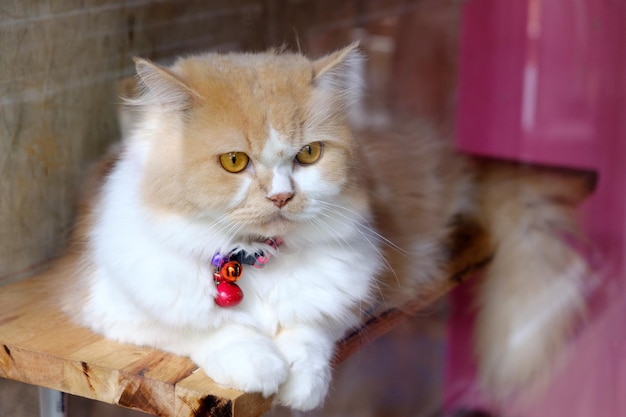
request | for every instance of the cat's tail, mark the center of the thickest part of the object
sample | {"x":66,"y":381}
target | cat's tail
{"x":531,"y":296}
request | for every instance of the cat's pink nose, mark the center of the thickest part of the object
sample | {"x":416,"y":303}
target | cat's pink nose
{"x":280,"y":199}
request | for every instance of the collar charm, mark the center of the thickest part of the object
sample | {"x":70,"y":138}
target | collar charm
{"x":229,"y":269}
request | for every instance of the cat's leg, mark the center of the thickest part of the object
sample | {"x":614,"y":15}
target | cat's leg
{"x":308,"y":351}
{"x":239,"y":357}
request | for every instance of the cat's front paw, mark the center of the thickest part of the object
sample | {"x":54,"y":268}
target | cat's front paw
{"x":305,"y":388}
{"x":252,"y":365}
{"x":308,"y":352}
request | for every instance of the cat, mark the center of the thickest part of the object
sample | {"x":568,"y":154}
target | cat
{"x":235,"y":154}
{"x":251,"y":158}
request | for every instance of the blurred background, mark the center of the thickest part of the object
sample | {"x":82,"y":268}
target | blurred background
{"x":527,"y":80}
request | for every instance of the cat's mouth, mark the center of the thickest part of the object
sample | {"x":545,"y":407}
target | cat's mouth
{"x":278,"y":218}
{"x":275,"y":224}
{"x":266,"y":224}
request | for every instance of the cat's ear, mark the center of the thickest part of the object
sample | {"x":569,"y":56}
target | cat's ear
{"x":341,"y":73}
{"x":160,"y":86}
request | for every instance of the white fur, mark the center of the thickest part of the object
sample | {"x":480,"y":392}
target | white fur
{"x":282,"y":167}
{"x":150,"y":283}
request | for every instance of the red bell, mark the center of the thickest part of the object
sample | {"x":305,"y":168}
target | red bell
{"x":231,"y":271}
{"x":228,"y":294}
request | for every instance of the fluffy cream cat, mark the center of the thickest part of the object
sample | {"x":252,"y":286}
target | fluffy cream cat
{"x":230,"y":152}
{"x":250,"y":157}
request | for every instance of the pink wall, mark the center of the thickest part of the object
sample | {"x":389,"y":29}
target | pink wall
{"x":545,"y":82}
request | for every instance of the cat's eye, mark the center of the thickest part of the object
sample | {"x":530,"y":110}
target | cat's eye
{"x":310,"y":153}
{"x":234,"y":161}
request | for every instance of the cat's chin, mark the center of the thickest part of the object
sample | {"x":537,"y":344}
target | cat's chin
{"x":276,"y":225}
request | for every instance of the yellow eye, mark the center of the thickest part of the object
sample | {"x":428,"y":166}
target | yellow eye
{"x":310,"y":153}
{"x":234,"y":161}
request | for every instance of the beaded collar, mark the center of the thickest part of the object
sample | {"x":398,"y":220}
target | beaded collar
{"x":229,"y":269}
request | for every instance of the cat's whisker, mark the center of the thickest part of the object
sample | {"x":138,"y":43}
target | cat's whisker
{"x":367,"y":234}
{"x":221,"y":226}
{"x":363,"y":224}
{"x":341,"y":240}
{"x":369,"y":237}
{"x":317,"y":221}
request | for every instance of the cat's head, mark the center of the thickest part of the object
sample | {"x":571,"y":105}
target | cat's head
{"x":257,"y":144}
